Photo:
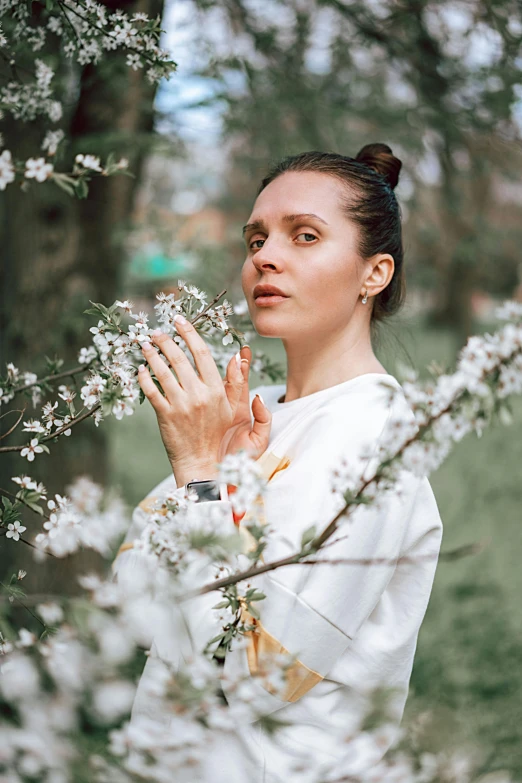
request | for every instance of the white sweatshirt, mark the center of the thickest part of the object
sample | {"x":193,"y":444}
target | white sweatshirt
{"x":353,"y":627}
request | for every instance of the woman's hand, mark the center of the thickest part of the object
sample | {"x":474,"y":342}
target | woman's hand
{"x":242,"y":434}
{"x":196,"y":412}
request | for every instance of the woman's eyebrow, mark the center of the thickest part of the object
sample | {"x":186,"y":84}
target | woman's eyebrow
{"x":259,"y":224}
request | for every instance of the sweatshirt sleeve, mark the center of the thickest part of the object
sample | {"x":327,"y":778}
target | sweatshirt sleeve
{"x":129,"y":560}
{"x":312,"y":614}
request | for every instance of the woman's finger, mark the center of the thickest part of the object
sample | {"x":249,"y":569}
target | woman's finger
{"x":167,"y":381}
{"x":262,"y":422}
{"x":151,"y":391}
{"x":208,"y":371}
{"x":234,"y":382}
{"x":178,"y":360}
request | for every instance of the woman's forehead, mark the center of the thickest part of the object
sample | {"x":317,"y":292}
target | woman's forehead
{"x":299,"y":193}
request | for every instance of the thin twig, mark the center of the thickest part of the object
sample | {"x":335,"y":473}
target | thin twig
{"x":209,"y":306}
{"x":54,"y":377}
{"x":130,"y":48}
{"x":8,"y":494}
{"x":15,"y":425}
{"x":59,"y":431}
{"x":452,"y":554}
{"x":12,"y":598}
{"x":3,"y":531}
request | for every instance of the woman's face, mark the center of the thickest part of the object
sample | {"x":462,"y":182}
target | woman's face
{"x":299,"y":240}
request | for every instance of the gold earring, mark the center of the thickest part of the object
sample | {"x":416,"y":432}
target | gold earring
{"x":365,"y":297}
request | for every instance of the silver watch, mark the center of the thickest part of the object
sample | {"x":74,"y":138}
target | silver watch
{"x":209,"y":489}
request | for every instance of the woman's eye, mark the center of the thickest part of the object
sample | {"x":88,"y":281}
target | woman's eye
{"x":254,"y":242}
{"x":309,"y":236}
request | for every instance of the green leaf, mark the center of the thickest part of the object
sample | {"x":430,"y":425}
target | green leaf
{"x":254,"y":595}
{"x":221,"y":605}
{"x":308,"y":536}
{"x":254,"y":612}
{"x":16,"y":591}
{"x":101,"y":308}
{"x":69,"y":189}
{"x":216,"y":638}
{"x":82,"y":188}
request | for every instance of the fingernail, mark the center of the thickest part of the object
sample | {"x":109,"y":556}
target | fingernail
{"x":262,"y":400}
{"x":146,"y":346}
{"x":244,"y":360}
{"x":157,"y":332}
{"x":238,"y":361}
{"x":141,"y":368}
{"x":180,"y":319}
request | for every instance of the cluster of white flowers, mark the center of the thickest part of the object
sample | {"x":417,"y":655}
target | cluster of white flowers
{"x":114,"y":383}
{"x":182,"y":545}
{"x":15,"y":380}
{"x":215,"y":317}
{"x":192,"y":730}
{"x":25,"y":101}
{"x":87,"y":31}
{"x":82,"y":520}
{"x":52,"y":141}
{"x":489,"y":369}
{"x":243,"y":473}
{"x":112,"y":388}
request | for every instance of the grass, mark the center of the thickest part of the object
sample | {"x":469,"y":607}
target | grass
{"x":467,"y":667}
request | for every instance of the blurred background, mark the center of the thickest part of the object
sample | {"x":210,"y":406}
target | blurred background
{"x":440,"y":82}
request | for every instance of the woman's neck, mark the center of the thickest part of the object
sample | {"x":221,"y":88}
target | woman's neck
{"x":318,"y":363}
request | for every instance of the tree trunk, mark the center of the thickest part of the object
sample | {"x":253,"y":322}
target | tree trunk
{"x":59,"y":253}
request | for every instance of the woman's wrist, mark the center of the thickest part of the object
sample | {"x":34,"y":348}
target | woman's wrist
{"x":196,"y":471}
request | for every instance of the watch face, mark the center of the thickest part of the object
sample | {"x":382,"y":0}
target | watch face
{"x":206,"y":490}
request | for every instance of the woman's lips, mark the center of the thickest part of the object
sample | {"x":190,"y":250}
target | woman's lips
{"x":271,"y":299}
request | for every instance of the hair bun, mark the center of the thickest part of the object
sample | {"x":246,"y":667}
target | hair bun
{"x":380,"y":158}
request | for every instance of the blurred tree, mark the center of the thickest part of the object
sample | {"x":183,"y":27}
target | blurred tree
{"x":60,"y":252}
{"x":437,"y":81}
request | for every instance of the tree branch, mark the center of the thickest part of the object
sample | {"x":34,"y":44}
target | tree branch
{"x":56,"y":377}
{"x":347,"y":509}
{"x":59,"y":431}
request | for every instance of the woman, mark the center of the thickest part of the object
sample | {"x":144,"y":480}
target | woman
{"x":324,"y":237}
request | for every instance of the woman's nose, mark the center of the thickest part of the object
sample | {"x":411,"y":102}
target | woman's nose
{"x":268,"y":256}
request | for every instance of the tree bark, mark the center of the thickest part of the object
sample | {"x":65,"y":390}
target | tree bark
{"x":59,"y":253}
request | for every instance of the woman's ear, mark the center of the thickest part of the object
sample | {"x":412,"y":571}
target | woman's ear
{"x":383,"y":267}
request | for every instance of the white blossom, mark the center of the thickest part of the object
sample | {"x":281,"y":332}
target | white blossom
{"x":33,"y":425}
{"x":113,"y":699}
{"x":89,"y":162}
{"x":25,"y":638}
{"x":52,"y":140}
{"x":38,"y":169}
{"x":7,"y":172}
{"x":32,"y":449}
{"x":87,"y":355}
{"x":15,"y":530}
{"x":25,"y":482}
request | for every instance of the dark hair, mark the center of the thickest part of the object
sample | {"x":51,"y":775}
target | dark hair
{"x":370,"y":202}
